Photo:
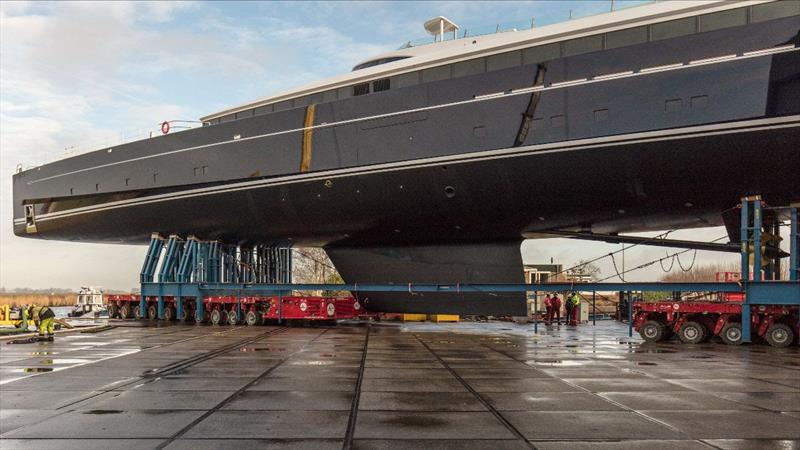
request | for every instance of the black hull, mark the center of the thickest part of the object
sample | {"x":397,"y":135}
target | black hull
{"x":627,"y":183}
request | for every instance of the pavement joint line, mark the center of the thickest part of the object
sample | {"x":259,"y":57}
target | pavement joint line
{"x":188,"y":362}
{"x":238,"y":392}
{"x":351,"y":421}
{"x":102,"y":391}
{"x":136,"y":378}
{"x":620,"y":405}
{"x":509,"y":426}
{"x":89,"y":362}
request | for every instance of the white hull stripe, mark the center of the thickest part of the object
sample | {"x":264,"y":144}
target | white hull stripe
{"x":542,"y":149}
{"x":477,"y":98}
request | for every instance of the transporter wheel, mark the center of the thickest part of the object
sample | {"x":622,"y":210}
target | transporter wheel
{"x":252,"y":318}
{"x":652,"y":331}
{"x":216,"y":317}
{"x":233,"y":318}
{"x":126,"y":311}
{"x":731,"y":333}
{"x":779,"y":335}
{"x":169,"y":313}
{"x":692,"y":333}
{"x":152,"y":312}
{"x":113,"y":311}
{"x":137,"y":312}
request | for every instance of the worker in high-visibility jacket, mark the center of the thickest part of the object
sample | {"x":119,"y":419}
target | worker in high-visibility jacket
{"x":575,"y":301}
{"x":45,"y":318}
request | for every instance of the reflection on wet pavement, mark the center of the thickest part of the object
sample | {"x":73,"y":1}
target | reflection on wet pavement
{"x":465,"y":385}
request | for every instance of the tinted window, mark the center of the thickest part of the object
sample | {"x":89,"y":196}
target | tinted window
{"x":227,"y":118}
{"x":245,"y":113}
{"x":622,"y":38}
{"x":361,"y":89}
{"x":776,"y":10}
{"x":406,"y":79}
{"x":381,"y":85}
{"x":301,"y":101}
{"x":284,"y":105}
{"x":723,"y":19}
{"x":541,"y":53}
{"x":378,"y":62}
{"x":471,"y":67}
{"x":503,"y":61}
{"x":435,"y":74}
{"x":673,"y":28}
{"x":329,"y":96}
{"x":263,"y":110}
{"x":583,"y":45}
{"x":345,"y":92}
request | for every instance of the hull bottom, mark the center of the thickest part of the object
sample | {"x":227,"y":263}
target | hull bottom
{"x":464,"y":263}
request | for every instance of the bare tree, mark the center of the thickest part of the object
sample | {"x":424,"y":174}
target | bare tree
{"x":312,"y":265}
{"x":584,"y":268}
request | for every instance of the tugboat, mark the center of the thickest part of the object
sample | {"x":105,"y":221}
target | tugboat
{"x":89,"y":303}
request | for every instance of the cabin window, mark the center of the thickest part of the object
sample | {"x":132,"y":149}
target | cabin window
{"x":698,"y":102}
{"x":243,"y":114}
{"x":381,"y":85}
{"x":601,"y":115}
{"x":228,"y":118}
{"x":435,"y":74}
{"x":97,"y":187}
{"x":361,"y":89}
{"x":71,"y":191}
{"x":329,"y":96}
{"x":623,"y":38}
{"x":673,"y":28}
{"x":469,"y":67}
{"x":406,"y":79}
{"x":266,"y":109}
{"x":503,"y":61}
{"x":283,"y":106}
{"x":542,"y":53}
{"x":345,"y":92}
{"x":775,"y":10}
{"x":583,"y":45}
{"x":127,"y":181}
{"x":723,"y":19}
{"x":300,"y":102}
{"x":673,"y":105}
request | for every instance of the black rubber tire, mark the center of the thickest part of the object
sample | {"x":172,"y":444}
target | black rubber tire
{"x":232,"y":318}
{"x":185,"y":314}
{"x":731,"y":333}
{"x":137,"y":312}
{"x":652,"y":331}
{"x":152,"y":312}
{"x":113,"y":311}
{"x":169,"y":313}
{"x":779,"y":335}
{"x":216,"y":317}
{"x":692,"y":333}
{"x":252,"y":318}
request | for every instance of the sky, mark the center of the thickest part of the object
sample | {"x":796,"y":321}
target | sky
{"x":75,"y":76}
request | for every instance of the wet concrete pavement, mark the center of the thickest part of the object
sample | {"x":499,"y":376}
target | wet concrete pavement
{"x":432,"y":386}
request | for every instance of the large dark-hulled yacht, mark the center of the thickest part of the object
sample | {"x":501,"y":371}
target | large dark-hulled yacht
{"x":433,"y":162}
